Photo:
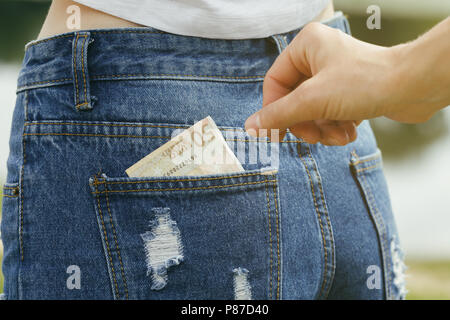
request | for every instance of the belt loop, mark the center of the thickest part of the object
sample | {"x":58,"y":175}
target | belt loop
{"x":280,"y":41}
{"x":83,"y":99}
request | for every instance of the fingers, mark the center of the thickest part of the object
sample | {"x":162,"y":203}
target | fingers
{"x":332,"y":133}
{"x":288,"y":71}
{"x":300,"y":105}
{"x":308,"y":131}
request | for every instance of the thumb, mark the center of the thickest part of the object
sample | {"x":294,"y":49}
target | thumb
{"x":305,"y":103}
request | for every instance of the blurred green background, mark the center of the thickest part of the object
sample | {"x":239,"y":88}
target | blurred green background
{"x":416,"y":156}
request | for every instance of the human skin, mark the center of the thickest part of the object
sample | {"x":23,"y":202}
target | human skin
{"x":55,"y":22}
{"x":326,"y":82}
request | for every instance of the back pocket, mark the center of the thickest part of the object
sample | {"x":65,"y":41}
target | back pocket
{"x":368,"y":172}
{"x":196,"y":237}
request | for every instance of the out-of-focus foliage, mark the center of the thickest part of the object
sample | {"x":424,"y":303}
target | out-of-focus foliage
{"x":20,"y":22}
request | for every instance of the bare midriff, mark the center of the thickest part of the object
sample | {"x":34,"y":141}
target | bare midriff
{"x":56,"y":21}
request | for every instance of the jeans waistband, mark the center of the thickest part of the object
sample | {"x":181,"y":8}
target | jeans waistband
{"x":147,"y":53}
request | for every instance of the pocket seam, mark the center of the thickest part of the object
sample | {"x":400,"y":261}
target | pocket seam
{"x":116,"y":286}
{"x":186,"y":189}
{"x":373,"y":211}
{"x":117,"y":245}
{"x":179,"y":180}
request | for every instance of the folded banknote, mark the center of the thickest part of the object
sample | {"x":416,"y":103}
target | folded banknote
{"x":198,"y":150}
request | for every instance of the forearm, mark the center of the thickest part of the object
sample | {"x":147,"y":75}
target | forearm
{"x":424,"y":68}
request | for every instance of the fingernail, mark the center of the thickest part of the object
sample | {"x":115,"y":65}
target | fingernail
{"x":252,"y":125}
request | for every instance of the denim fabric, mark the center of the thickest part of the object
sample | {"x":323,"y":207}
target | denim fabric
{"x":315,"y":223}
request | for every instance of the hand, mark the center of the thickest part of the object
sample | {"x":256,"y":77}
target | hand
{"x":326,"y":82}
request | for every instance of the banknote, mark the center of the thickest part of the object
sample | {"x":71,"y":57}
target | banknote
{"x":198,"y":150}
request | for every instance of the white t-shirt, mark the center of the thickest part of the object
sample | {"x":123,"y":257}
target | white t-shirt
{"x":222,"y":19}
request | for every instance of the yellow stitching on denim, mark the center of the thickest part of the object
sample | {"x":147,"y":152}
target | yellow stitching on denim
{"x":277,"y":217}
{"x":93,"y":135}
{"x":384,"y":245}
{"x":127,"y":135}
{"x":43,"y":82}
{"x":358,"y":161}
{"x":75,"y":71}
{"x":8,"y":196}
{"x":117,"y":244}
{"x":176,"y":75}
{"x":105,"y":125}
{"x":383,"y":231}
{"x":22,"y":174}
{"x":180,"y":180}
{"x":107,"y":244}
{"x":187,"y":189}
{"x":124,"y":125}
{"x":368,"y":168}
{"x":82,"y":69}
{"x":10,"y":188}
{"x":26,"y":108}
{"x":374,"y":158}
{"x":270,"y":240}
{"x":80,"y":105}
{"x":45,"y":40}
{"x":326,"y":211}
{"x":320,"y":222}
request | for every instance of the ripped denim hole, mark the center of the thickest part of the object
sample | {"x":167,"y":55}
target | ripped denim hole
{"x":398,"y":269}
{"x":242,"y":289}
{"x":163,"y":247}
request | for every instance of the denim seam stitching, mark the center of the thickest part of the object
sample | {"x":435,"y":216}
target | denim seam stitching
{"x":326,"y":215}
{"x":124,"y":125}
{"x":117,"y":245}
{"x":81,"y":104}
{"x":94,"y":135}
{"x":320,"y":224}
{"x":358,"y":161}
{"x":134,"y":136}
{"x":93,"y":32}
{"x":256,"y":78}
{"x":380,"y":221}
{"x":82,"y":69}
{"x":270,"y":239}
{"x":176,"y":75}
{"x":45,"y":40}
{"x":278,"y":238}
{"x":22,"y":181}
{"x":9,"y":196}
{"x":43,"y":82}
{"x":193,"y":188}
{"x":178,"y":180}
{"x":75,"y":71}
{"x":368,"y":168}
{"x":107,"y":243}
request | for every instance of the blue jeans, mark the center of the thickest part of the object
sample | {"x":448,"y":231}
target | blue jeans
{"x":92,"y":103}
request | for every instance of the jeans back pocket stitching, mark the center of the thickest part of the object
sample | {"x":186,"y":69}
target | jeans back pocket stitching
{"x":270,"y":239}
{"x":105,"y":236}
{"x":122,"y":270}
{"x":320,"y":222}
{"x":278,"y":238}
{"x":381,"y":228}
{"x":330,"y":229}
